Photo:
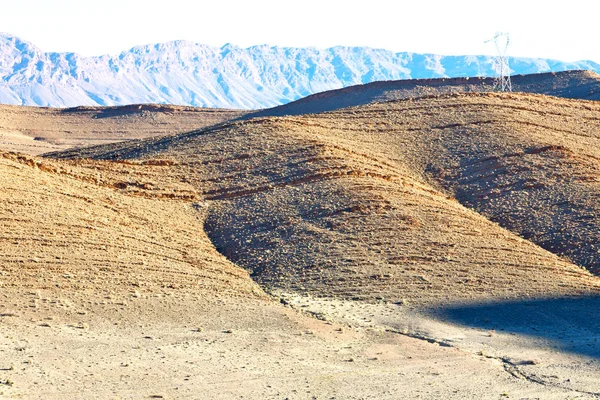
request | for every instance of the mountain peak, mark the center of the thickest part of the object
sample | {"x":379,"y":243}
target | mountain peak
{"x":188,"y":73}
{"x":7,"y":39}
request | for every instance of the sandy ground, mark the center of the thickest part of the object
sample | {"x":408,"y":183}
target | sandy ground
{"x":551,"y":343}
{"x":178,"y":347}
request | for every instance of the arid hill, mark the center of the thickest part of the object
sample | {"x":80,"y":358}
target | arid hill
{"x":583,"y":85}
{"x":360,"y":203}
{"x":527,"y":162}
{"x":111,"y":286}
{"x":33,"y":130}
{"x":169,"y":266}
{"x":72,"y":232}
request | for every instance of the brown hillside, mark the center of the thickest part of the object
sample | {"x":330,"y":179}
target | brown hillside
{"x":569,"y":84}
{"x":528,"y":162}
{"x":113,"y":285}
{"x":338,"y":204}
{"x":65,"y":233}
{"x":33,"y":130}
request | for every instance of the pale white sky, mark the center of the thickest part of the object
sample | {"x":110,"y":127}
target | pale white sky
{"x":568,"y":32}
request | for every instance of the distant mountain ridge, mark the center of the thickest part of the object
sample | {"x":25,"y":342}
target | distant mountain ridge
{"x":187,"y":73}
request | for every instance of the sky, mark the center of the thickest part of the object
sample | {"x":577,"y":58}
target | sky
{"x":537,"y":29}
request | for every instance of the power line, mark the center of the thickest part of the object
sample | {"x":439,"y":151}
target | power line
{"x":502,"y":81}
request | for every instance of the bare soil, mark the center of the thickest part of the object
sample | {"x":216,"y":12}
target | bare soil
{"x":362,"y":203}
{"x":583,"y":85}
{"x":439,"y":247}
{"x":34,"y":130}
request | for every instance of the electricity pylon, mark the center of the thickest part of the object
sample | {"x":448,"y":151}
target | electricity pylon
{"x":502,"y":81}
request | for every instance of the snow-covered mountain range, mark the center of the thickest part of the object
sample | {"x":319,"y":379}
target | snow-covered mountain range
{"x":188,"y":73}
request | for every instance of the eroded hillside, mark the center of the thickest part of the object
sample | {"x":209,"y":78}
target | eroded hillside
{"x":68,"y":234}
{"x":360,"y":203}
{"x":528,"y":162}
{"x":583,"y":85}
{"x":139,"y":272}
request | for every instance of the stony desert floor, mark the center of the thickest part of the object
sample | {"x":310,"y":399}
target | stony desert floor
{"x":433,"y":247}
{"x":169,"y":345}
{"x":35,"y":130}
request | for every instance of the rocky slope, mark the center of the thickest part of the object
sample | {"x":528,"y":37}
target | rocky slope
{"x":360,"y":203}
{"x":117,"y":275}
{"x":74,"y":232}
{"x":569,"y":84}
{"x":527,"y":162}
{"x":229,"y":77}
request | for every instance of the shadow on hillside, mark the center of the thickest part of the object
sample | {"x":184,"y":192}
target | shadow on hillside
{"x":571,"y":324}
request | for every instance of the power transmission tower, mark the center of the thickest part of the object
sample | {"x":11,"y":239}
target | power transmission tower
{"x":502,"y":81}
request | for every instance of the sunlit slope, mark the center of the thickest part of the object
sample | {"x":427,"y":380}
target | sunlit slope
{"x":63,"y":233}
{"x":339,"y":205}
{"x":528,"y":162}
{"x":567,"y":84}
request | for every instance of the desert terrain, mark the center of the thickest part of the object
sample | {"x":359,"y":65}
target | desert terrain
{"x":441,"y":245}
{"x":37,"y":130}
{"x":582,"y":85}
